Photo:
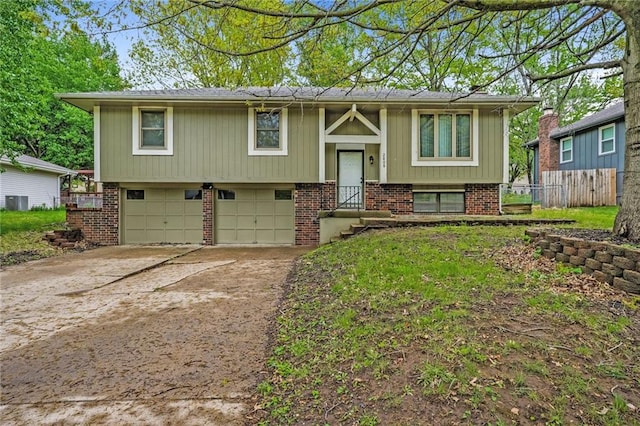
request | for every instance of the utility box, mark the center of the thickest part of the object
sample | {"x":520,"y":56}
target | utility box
{"x":16,"y":202}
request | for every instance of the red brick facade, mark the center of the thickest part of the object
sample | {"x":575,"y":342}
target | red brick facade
{"x":482,"y":199}
{"x":549,"y":149}
{"x":102,"y":225}
{"x":397,"y":198}
{"x":99,"y":225}
{"x":207,"y":215}
{"x":308,"y":200}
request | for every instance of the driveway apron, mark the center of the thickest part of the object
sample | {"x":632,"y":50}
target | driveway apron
{"x":130,"y":334}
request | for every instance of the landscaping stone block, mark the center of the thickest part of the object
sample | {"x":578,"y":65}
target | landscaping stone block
{"x":586,"y":270}
{"x":632,"y":254}
{"x":612,"y":270}
{"x":623,"y":262}
{"x":576,"y":260}
{"x":602,"y":256}
{"x":549,"y":254}
{"x":543,"y":244}
{"x":556,"y":247}
{"x":632,"y":276}
{"x":561,"y":257}
{"x":603,"y":277}
{"x":628,"y":286}
{"x":569,"y":250}
{"x":582,"y":244}
{"x":586,"y":253}
{"x":593,"y":264}
{"x":532,"y":233}
{"x":553,"y":238}
{"x":615,"y":250}
{"x":598,"y":246}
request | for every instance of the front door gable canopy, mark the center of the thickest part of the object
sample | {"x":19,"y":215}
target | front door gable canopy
{"x":350,"y":115}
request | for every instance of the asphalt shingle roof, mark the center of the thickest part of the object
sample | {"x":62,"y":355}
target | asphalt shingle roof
{"x":604,"y":116}
{"x":36,"y":163}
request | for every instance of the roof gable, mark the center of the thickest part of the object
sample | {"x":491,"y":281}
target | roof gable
{"x":599,"y":118}
{"x":37,"y":164}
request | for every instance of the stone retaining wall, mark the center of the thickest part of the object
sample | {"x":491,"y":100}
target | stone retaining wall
{"x":606,"y":262}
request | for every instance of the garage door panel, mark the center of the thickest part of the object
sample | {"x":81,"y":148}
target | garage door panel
{"x":265,"y":222}
{"x":283,"y":236}
{"x":193,"y":208}
{"x":164,"y":216}
{"x":283,"y":222}
{"x":258,"y":218}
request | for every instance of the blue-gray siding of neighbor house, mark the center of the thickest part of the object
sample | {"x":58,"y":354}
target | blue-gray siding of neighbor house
{"x":585,"y":154}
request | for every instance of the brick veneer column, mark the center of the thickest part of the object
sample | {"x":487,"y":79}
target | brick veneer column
{"x":397,"y":198}
{"x":482,"y":199}
{"x":100,"y":226}
{"x":307,"y":200}
{"x":549,"y":149}
{"x":207,"y":216}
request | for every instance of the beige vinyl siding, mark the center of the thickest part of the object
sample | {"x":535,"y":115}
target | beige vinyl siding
{"x":210,"y":144}
{"x":399,"y":153}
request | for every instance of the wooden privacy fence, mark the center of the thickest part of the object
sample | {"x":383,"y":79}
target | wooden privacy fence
{"x":583,"y":188}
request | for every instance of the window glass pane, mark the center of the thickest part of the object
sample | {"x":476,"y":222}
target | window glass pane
{"x":607,"y":133}
{"x":152,"y":137}
{"x":226,"y":194}
{"x":152,"y":119}
{"x":566,"y":156}
{"x":193,"y":194}
{"x":425,"y":202}
{"x":463,"y":135}
{"x":566,"y":144}
{"x":268,"y":139}
{"x":283,"y":194}
{"x":452,"y":203}
{"x":268,"y":120}
{"x":444,"y":135}
{"x":426,"y":135}
{"x":135,"y":194}
{"x":607,"y":146}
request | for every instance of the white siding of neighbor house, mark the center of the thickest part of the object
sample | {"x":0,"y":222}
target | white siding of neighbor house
{"x":42,"y":188}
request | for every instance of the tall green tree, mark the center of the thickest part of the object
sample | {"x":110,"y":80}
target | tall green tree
{"x":40,"y":56}
{"x":181,"y":46}
{"x":575,"y":21}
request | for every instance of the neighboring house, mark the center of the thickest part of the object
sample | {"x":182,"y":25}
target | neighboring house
{"x":258,"y":165}
{"x":595,"y":142}
{"x":35,"y":184}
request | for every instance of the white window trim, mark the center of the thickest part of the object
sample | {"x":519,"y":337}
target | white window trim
{"x":283,"y":131}
{"x":600,"y":129}
{"x":418,"y":161}
{"x":168,"y":132}
{"x":570,"y":150}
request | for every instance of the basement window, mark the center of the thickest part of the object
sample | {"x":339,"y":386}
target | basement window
{"x":438,"y":202}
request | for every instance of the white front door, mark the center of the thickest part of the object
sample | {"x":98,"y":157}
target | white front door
{"x":350,"y":179}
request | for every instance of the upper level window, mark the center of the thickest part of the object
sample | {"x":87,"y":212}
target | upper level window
{"x":566,"y":150}
{"x":152,"y":131}
{"x":607,"y":139}
{"x":444,"y":138}
{"x":267,"y":132}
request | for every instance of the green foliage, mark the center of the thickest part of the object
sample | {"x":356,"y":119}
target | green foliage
{"x":38,"y":58}
{"x":191,"y":47}
{"x":33,"y":220}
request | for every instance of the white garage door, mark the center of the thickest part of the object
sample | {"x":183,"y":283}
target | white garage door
{"x":162,"y":216}
{"x":254,"y":216}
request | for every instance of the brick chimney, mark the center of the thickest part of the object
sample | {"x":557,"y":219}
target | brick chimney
{"x":549,"y":149}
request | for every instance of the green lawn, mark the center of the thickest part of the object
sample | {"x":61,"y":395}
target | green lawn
{"x":22,"y":231}
{"x":422,"y":326}
{"x":585,"y":217}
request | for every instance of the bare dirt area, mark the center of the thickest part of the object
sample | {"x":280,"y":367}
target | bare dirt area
{"x":151,"y":335}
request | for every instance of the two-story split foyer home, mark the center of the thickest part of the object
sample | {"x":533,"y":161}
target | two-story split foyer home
{"x":258,"y":165}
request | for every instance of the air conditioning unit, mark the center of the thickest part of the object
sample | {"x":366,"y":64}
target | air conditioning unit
{"x":16,"y":202}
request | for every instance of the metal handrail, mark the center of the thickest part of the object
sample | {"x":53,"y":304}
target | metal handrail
{"x":349,"y":200}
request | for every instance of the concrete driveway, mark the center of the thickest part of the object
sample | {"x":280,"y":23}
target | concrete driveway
{"x":131,"y":335}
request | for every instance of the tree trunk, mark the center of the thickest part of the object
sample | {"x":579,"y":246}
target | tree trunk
{"x":627,"y":222}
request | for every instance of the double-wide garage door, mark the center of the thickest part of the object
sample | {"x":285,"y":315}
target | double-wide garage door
{"x":154,"y":215}
{"x":254,"y":216}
